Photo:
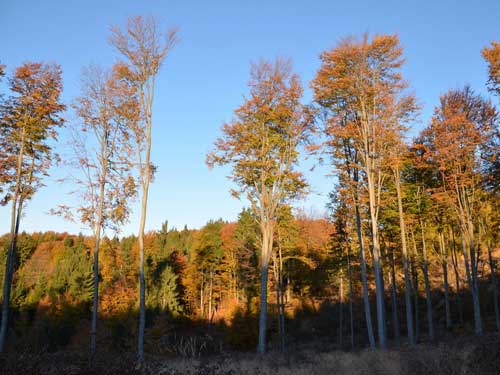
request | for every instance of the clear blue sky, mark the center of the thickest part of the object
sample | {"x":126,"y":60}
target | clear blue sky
{"x":205,"y":77}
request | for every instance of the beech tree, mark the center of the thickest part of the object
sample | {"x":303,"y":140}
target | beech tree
{"x":397,"y":164}
{"x":261,"y":145}
{"x":144,"y":47}
{"x":451,"y":145}
{"x":101,"y":155}
{"x":30,"y":118}
{"x":360,"y":85}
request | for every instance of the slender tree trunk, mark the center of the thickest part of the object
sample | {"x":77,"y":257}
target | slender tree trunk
{"x":351,"y":318}
{"x":402,"y":228}
{"x":478,"y":323}
{"x":454,"y":261}
{"x":478,"y":329}
{"x":444,"y":264}
{"x":267,"y":241}
{"x":281,"y":301}
{"x":288,"y":285}
{"x":366,"y":299}
{"x":395,"y":318}
{"x":97,"y":231}
{"x":416,"y":296}
{"x":142,"y":278}
{"x":210,"y":291}
{"x":11,"y":253}
{"x":341,"y":309}
{"x":202,"y":289}
{"x":428,"y":295}
{"x":278,"y":300}
{"x":377,"y":265}
{"x":494,"y":286}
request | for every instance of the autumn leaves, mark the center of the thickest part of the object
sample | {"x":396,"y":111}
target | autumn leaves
{"x":365,"y":109}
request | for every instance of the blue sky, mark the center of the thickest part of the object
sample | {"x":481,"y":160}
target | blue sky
{"x":205,"y":78}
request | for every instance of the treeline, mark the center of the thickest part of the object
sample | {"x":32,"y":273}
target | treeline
{"x":206,"y":276}
{"x":409,"y":217}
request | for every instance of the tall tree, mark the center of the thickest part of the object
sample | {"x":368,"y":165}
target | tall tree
{"x":144,"y":47}
{"x":396,"y":166}
{"x":360,"y":84}
{"x":451,"y":146}
{"x":29,"y":121}
{"x":101,"y":155}
{"x":261,"y":144}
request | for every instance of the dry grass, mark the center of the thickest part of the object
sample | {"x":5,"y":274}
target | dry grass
{"x":465,"y":356}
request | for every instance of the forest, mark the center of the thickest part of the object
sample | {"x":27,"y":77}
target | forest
{"x":401,"y":275}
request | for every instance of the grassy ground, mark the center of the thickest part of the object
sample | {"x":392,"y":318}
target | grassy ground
{"x":469,"y":356}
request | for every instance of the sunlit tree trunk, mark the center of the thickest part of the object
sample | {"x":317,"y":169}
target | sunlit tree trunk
{"x":95,"y":302}
{"x":377,"y":265}
{"x":444,"y":265}
{"x":428,"y":295}
{"x":202,"y":289}
{"x":478,"y":326}
{"x":11,"y":253}
{"x":267,"y":241}
{"x":454,"y":261}
{"x":404,"y":249}
{"x":366,"y":298}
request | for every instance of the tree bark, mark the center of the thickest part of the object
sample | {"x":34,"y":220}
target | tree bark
{"x":267,"y":241}
{"x":341,"y":309}
{"x":97,"y":232}
{"x":444,"y":264}
{"x":454,"y":261}
{"x":404,"y":248}
{"x":377,"y":266}
{"x":494,"y":286}
{"x":428,"y":295}
{"x":416,"y":296}
{"x":351,"y":318}
{"x":11,"y":253}
{"x":478,"y":328}
{"x":395,"y":318}
{"x":366,"y":299}
{"x":142,"y":277}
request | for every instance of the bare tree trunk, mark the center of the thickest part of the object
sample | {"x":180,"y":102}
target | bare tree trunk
{"x":202,"y":290}
{"x":142,"y":278}
{"x":377,"y":265}
{"x":444,"y":264}
{"x":428,"y":296}
{"x":210,"y":286}
{"x":351,"y":318}
{"x":416,"y":296}
{"x":17,"y":203}
{"x":395,"y":318}
{"x":478,"y":329}
{"x":341,"y":309}
{"x":454,"y":261}
{"x":366,"y":299}
{"x":402,"y":228}
{"x":478,"y":323}
{"x":281,"y":300}
{"x":267,"y":241}
{"x":97,"y":231}
{"x":494,"y":286}
{"x":278,"y":300}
